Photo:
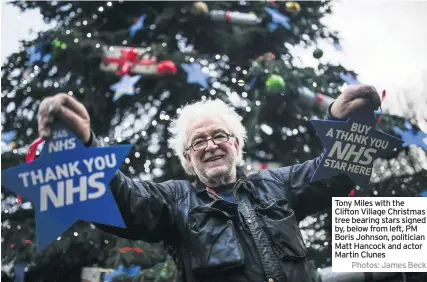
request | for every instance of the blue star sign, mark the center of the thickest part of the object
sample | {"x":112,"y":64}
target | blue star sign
{"x":196,"y":75}
{"x":126,"y":86}
{"x":351,"y":147}
{"x":138,"y":25}
{"x":68,"y":182}
{"x":277,"y":18}
{"x":411,"y":136}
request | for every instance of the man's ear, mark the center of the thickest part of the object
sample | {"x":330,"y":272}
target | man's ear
{"x":188,"y":159}
{"x":236,"y":144}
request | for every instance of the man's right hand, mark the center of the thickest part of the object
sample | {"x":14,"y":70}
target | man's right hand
{"x":69,"y":111}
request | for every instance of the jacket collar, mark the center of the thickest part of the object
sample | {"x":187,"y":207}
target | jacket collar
{"x":200,"y":187}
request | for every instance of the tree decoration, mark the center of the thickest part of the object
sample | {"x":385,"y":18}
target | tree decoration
{"x":196,"y":75}
{"x":36,"y":55}
{"x":277,"y":18}
{"x":166,"y":67}
{"x":127,"y":249}
{"x":130,"y":271}
{"x":337,"y":45}
{"x":38,"y":52}
{"x":275,"y":83}
{"x":310,"y":99}
{"x":292,"y":7}
{"x":349,"y":78}
{"x":200,"y":8}
{"x":126,"y":86}
{"x":19,"y":269}
{"x":8,"y":136}
{"x":234,"y":17}
{"x":318,"y":53}
{"x":59,"y":44}
{"x":252,"y":83}
{"x":410,"y":136}
{"x":124,"y":60}
{"x":138,"y":25}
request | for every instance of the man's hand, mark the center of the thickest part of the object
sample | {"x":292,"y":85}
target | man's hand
{"x":69,"y":111}
{"x":354,"y":98}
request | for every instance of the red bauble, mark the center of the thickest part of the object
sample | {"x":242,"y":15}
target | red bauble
{"x":166,"y":67}
{"x":130,"y":54}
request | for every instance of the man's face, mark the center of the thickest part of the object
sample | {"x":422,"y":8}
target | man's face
{"x":215,"y":162}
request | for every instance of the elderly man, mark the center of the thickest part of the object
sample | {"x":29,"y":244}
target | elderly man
{"x":224,"y":226}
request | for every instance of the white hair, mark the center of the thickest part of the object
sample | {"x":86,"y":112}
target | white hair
{"x":190,"y":112}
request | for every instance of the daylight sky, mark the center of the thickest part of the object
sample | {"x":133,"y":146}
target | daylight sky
{"x":385,"y":42}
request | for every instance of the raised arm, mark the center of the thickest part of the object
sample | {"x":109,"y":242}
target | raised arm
{"x":147,"y":208}
{"x":312,"y":197}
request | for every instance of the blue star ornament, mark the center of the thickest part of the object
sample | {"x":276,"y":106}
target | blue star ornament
{"x":338,"y":45}
{"x":277,"y":18}
{"x":195,"y":74}
{"x":131,"y":271}
{"x":126,"y":86}
{"x":36,"y":54}
{"x":352,"y":146}
{"x":411,"y":136}
{"x":349,"y":78}
{"x":8,"y":136}
{"x":68,"y":182}
{"x":138,"y":25}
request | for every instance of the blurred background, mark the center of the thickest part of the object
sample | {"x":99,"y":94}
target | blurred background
{"x":134,"y":64}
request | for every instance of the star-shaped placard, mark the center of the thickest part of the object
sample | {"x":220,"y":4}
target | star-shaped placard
{"x":138,"y":25}
{"x":195,"y":74}
{"x":126,"y":86}
{"x":352,"y":146}
{"x":412,"y":136}
{"x":277,"y":18}
{"x":68,"y":182}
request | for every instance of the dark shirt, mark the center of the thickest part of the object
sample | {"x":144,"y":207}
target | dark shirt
{"x":248,"y":244}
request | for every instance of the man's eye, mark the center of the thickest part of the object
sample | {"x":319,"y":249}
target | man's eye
{"x":220,"y":135}
{"x":198,"y":142}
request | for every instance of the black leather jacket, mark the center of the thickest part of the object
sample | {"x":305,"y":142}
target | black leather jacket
{"x":256,"y":238}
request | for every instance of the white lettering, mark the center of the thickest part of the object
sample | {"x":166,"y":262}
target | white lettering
{"x":47,"y":192}
{"x":367,"y":155}
{"x":111,"y":162}
{"x":37,"y":177}
{"x":72,"y":168}
{"x":81,"y":188}
{"x":99,"y":163}
{"x":49,"y":175}
{"x":23,"y":176}
{"x":340,"y":152}
{"x":88,"y":164}
{"x":97,"y":185}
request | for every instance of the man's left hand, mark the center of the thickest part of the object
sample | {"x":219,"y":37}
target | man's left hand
{"x":353,"y":98}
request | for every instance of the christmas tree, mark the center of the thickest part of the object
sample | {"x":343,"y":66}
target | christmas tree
{"x":133,"y":65}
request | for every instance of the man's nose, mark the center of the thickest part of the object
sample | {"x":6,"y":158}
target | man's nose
{"x":211,"y":145}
